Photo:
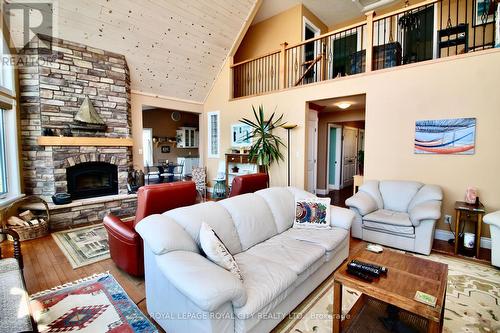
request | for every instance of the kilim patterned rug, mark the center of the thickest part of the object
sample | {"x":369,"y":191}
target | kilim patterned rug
{"x":83,"y":246}
{"x":472,"y":302}
{"x":94,"y":304}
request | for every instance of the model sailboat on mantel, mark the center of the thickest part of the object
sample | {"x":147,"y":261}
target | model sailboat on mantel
{"x":87,"y":117}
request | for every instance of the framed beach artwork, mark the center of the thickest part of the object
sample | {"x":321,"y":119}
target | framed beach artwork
{"x":240,"y":135}
{"x":445,"y":136}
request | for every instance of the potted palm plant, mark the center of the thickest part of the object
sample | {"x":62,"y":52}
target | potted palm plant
{"x":265,"y":148}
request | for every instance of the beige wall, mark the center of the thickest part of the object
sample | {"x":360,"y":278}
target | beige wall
{"x":258,"y":40}
{"x":346,"y":118}
{"x":138,"y":100}
{"x":313,"y":19}
{"x":461,"y":86}
{"x":285,"y":27}
{"x":163,"y":126}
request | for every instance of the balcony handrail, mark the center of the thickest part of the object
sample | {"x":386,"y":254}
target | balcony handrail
{"x":333,"y":32}
{"x":404,"y":9}
{"x":366,"y":54}
{"x":256,"y":58}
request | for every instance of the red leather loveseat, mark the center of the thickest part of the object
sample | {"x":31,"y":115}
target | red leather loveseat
{"x":125,"y":244}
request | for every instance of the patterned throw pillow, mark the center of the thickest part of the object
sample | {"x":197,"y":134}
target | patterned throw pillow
{"x":216,"y":251}
{"x":312,"y":213}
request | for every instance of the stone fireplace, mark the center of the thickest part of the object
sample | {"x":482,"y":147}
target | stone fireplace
{"x":90,"y":163}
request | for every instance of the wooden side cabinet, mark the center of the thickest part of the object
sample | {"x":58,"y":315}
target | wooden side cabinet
{"x":238,"y":159}
{"x":476,"y":212}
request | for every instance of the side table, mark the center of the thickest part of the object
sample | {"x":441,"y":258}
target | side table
{"x":477,"y":211}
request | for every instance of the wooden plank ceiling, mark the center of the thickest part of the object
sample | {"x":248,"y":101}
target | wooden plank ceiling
{"x":173,"y":48}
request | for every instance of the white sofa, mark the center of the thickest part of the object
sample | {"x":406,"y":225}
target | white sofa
{"x":400,"y":214}
{"x":493,"y":219}
{"x":281,"y":266}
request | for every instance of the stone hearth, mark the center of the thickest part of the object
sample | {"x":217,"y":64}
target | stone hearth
{"x":51,"y":92}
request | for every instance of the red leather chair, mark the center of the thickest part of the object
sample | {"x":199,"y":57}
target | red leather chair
{"x":249,"y":183}
{"x":125,"y":244}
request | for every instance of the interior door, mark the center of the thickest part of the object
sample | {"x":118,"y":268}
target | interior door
{"x":312,"y":139}
{"x":310,"y":53}
{"x":349,"y":155}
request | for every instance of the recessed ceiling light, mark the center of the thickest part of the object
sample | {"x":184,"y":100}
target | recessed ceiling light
{"x":343,"y":105}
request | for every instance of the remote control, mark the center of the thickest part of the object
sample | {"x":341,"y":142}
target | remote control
{"x":364,"y":268}
{"x":382,"y":269}
{"x":359,"y":274}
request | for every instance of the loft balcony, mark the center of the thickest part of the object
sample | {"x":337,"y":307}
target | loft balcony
{"x":428,"y":30}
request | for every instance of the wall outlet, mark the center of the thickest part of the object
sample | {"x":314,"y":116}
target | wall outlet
{"x":447,"y":219}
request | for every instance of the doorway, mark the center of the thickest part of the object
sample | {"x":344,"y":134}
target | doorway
{"x":349,"y":155}
{"x":147,"y":146}
{"x":337,"y":146}
{"x":170,"y":144}
{"x":310,"y":49}
{"x":334,"y":156}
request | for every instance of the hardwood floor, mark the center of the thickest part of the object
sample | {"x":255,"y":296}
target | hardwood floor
{"x":339,"y":196}
{"x":45,"y":267}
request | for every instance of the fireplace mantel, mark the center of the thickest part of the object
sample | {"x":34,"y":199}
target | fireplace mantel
{"x":83,"y":141}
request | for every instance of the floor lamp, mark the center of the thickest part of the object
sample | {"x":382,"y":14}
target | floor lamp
{"x":288,"y":127}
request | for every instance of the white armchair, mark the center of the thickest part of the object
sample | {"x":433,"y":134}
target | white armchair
{"x":400,"y":214}
{"x":493,"y":219}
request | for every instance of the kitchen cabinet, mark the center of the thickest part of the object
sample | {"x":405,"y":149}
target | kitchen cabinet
{"x":187,"y":137}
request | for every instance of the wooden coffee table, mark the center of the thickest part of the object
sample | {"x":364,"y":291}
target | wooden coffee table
{"x":406,"y":274}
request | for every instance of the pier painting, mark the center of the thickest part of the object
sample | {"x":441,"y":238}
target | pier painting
{"x":445,"y":136}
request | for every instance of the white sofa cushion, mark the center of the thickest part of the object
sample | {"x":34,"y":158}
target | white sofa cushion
{"x":294,"y":254}
{"x":328,"y":239}
{"x":397,"y":194}
{"x":388,"y":228}
{"x":213,"y":214}
{"x":389,"y":217}
{"x":389,"y":221}
{"x":252,"y":218}
{"x":263,"y":281}
{"x":280,"y":201}
{"x":216,"y":251}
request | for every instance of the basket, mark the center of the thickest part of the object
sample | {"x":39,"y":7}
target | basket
{"x":27,"y":232}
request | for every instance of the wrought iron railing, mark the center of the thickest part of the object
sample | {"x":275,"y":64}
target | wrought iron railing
{"x":256,"y":76}
{"x":428,"y":30}
{"x":326,"y":57}
{"x":433,"y":30}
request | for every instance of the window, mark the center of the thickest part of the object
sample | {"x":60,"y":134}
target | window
{"x":10,"y":184}
{"x":213,"y":134}
{"x":3,"y":165}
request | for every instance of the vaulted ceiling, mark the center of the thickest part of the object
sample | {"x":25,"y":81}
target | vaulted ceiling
{"x":174,"y":48}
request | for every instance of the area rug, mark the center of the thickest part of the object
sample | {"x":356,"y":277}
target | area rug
{"x":94,"y":304}
{"x":472,"y":301}
{"x":83,"y":246}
